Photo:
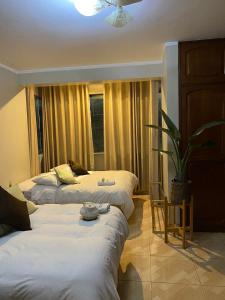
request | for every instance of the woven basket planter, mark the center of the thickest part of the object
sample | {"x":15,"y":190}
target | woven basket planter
{"x":180,"y":191}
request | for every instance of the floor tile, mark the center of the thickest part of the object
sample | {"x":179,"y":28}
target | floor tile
{"x":197,"y":272}
{"x":174,"y":248}
{"x":160,"y":248}
{"x":204,"y":236}
{"x":199,"y":252}
{"x":173,"y":270}
{"x":213,"y":247}
{"x":131,"y":290}
{"x":166,"y":291}
{"x":212,"y":272}
{"x":214,"y":293}
{"x":202,"y":254}
{"x":135,"y":268}
{"x":137,"y":246}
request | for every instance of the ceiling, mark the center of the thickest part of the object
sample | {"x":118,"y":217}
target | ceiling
{"x":51,"y":34}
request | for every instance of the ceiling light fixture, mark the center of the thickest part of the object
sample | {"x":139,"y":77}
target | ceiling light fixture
{"x":118,"y":18}
{"x":88,"y":7}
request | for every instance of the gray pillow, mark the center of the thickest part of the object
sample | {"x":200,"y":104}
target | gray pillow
{"x":49,"y":179}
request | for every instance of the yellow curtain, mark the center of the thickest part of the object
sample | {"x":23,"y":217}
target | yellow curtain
{"x":128,"y":107}
{"x":32,"y":132}
{"x":67,"y":130}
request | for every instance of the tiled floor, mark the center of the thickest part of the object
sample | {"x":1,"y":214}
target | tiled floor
{"x":152,"y":270}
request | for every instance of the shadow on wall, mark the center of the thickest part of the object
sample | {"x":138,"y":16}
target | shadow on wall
{"x":9,"y":86}
{"x":135,"y":221}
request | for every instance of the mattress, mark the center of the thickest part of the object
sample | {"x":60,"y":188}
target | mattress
{"x":119,"y":194}
{"x":63,"y":257}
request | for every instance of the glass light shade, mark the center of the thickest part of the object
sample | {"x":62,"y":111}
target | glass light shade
{"x":88,"y":7}
{"x":119,"y":18}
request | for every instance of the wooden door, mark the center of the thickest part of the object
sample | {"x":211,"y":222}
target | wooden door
{"x":202,"y":62}
{"x":202,"y":99}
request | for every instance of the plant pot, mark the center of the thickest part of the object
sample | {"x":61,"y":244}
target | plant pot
{"x":180,"y":191}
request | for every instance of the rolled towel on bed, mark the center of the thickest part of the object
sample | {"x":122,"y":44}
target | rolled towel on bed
{"x":103,"y":207}
{"x":106,"y":182}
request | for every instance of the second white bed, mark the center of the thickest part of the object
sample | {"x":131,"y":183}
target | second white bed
{"x":119,"y":195}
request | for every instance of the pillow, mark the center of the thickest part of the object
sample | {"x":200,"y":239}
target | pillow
{"x":77,"y":168}
{"x":65,"y":174}
{"x":16,"y":192}
{"x":13,"y":212}
{"x":53,"y":171}
{"x":49,"y":179}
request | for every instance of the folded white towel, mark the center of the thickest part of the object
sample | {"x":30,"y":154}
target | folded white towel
{"x":103,"y":207}
{"x":106,"y":183}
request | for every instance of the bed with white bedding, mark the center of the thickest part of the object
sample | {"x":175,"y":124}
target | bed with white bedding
{"x":119,"y":194}
{"x":63,"y":257}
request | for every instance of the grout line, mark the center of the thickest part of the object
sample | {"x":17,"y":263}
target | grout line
{"x":179,"y":283}
{"x":134,"y":280}
{"x":196,"y":271}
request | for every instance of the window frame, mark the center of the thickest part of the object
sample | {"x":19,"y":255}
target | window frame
{"x":102,"y":96}
{"x":39,"y":124}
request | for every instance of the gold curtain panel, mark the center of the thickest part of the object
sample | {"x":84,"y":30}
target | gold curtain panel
{"x":129,"y":106}
{"x":67,"y":126}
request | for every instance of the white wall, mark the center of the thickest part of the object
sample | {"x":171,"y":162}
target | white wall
{"x":14,"y":150}
{"x":170,"y":103}
{"x":9,"y":85}
{"x":92,"y":73}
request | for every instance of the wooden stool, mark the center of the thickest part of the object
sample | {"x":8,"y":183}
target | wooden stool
{"x":183,"y":228}
{"x":164,"y":207}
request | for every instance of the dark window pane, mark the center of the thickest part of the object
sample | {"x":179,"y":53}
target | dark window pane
{"x":38,"y":106}
{"x":97,"y":120}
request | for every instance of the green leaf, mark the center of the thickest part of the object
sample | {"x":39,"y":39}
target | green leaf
{"x":170,"y":153}
{"x":163,"y":151}
{"x":159,"y":128}
{"x":171,"y":126}
{"x":205,"y":126}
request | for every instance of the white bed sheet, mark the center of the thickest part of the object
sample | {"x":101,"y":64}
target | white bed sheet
{"x":119,"y":194}
{"x":63,"y":257}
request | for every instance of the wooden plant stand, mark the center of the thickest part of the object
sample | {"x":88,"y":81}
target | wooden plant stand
{"x":181,"y":229}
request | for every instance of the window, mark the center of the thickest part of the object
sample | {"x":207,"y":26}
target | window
{"x":97,"y":120}
{"x":39,"y":120}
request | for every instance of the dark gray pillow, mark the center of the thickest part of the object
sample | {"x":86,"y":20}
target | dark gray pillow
{"x":13,"y":212}
{"x":77,"y":168}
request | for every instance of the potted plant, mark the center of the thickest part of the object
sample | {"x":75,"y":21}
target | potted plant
{"x":180,"y":185}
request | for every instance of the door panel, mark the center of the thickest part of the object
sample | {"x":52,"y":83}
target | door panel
{"x":202,"y":61}
{"x":209,"y":199}
{"x":202,"y":99}
{"x":202,"y":104}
